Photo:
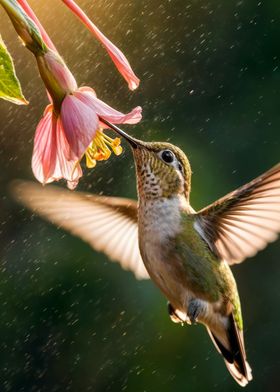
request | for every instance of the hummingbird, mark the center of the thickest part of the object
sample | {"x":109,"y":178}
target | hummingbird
{"x":187,"y":254}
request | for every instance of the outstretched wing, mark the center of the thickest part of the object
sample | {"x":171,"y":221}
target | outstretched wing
{"x":108,"y":224}
{"x":244,"y":221}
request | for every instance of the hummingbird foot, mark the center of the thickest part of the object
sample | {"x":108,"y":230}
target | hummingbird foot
{"x":197,"y":308}
{"x":172,"y":313}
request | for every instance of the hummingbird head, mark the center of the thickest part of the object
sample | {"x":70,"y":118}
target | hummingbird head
{"x":162,"y":169}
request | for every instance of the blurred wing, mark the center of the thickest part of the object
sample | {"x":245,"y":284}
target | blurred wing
{"x":108,"y":224}
{"x":244,"y":221}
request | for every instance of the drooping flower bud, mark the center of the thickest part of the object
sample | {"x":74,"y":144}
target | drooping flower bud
{"x":115,"y":53}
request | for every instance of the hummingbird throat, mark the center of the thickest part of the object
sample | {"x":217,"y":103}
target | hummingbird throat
{"x":156,"y":180}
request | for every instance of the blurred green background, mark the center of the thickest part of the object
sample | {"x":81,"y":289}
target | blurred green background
{"x":210,"y":82}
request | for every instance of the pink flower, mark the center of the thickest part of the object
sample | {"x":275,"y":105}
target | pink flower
{"x":61,"y":139}
{"x":80,"y":114}
{"x":71,"y":126}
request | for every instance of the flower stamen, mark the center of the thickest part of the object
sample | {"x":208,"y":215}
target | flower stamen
{"x":100,"y":148}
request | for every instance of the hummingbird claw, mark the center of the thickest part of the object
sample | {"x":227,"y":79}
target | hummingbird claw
{"x":172,"y":313}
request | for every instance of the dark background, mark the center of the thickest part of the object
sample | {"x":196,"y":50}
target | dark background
{"x":210,"y":82}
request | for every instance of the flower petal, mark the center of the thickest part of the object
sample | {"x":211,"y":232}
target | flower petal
{"x":106,"y":111}
{"x":69,"y":170}
{"x":44,"y":151}
{"x":116,"y":117}
{"x":116,"y":55}
{"x":49,"y":162}
{"x":80,"y":123}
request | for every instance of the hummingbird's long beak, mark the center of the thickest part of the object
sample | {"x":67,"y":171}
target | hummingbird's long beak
{"x":133,"y":142}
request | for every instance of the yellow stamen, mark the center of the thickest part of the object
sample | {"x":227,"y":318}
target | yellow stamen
{"x":100,"y":148}
{"x":90,"y":162}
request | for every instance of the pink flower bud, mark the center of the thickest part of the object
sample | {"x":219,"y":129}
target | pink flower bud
{"x":115,"y":53}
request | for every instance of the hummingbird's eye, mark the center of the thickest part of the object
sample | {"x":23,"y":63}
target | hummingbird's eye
{"x":167,"y":156}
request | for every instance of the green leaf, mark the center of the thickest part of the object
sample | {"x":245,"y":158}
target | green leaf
{"x":9,"y":84}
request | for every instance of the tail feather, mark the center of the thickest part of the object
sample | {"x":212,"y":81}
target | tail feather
{"x":231,"y":347}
